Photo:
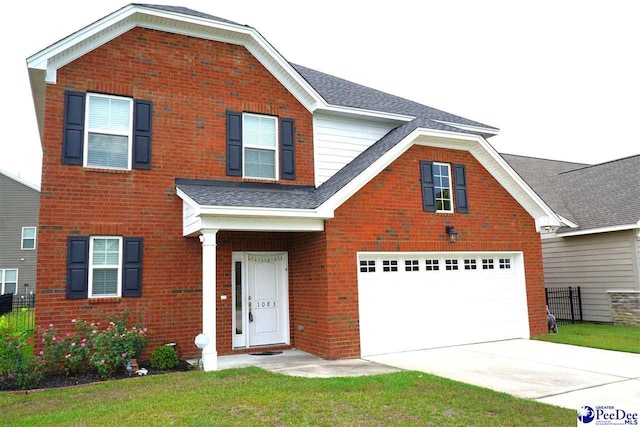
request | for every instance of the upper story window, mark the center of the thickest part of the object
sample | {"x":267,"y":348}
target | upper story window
{"x":8,"y":281}
{"x":260,"y":146}
{"x":442,"y":192}
{"x":260,"y":143}
{"x":442,"y":187}
{"x":108,"y":132}
{"x":28,"y":238}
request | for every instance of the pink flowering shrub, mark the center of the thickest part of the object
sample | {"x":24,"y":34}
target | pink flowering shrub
{"x":104,"y":346}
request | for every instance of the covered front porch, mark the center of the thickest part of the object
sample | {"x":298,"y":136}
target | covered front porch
{"x":248,"y":259}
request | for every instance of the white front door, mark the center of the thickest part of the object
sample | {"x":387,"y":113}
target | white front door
{"x":260,"y":299}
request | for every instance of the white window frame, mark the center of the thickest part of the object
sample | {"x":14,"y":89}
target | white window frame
{"x":436,"y":188}
{"x":3,"y":282}
{"x":275,"y":149}
{"x":87,"y":131}
{"x":105,"y":267}
{"x":35,"y":235}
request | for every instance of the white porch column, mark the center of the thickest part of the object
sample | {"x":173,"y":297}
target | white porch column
{"x":209,"y":302}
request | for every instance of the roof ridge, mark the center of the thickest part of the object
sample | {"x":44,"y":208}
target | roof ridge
{"x":601,"y":164}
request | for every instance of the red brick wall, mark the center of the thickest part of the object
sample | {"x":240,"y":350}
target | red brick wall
{"x":191,"y":82}
{"x":387,"y":215}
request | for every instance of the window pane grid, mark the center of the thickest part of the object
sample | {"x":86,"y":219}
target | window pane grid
{"x":432,"y":265}
{"x":470,"y":264}
{"x":487,"y":264}
{"x":411,"y":265}
{"x":442,"y":186}
{"x":368,"y":266}
{"x":451,"y":264}
{"x":389,"y":265}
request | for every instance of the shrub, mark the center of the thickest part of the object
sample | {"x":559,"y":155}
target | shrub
{"x":14,"y":364}
{"x":164,"y":358}
{"x":106,"y":348}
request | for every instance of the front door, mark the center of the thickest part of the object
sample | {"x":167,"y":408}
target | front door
{"x":260,"y":299}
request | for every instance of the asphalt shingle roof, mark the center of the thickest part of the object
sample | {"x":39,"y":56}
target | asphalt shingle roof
{"x":592,"y":196}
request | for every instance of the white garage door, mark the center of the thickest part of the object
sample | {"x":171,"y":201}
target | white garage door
{"x":414,"y":301}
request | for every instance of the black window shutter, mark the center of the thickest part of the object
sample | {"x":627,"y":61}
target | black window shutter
{"x":77,"y":267}
{"x":428,"y":192}
{"x":234,"y":143}
{"x":460,"y":182}
{"x":132,"y":267}
{"x":73,"y":135}
{"x":287,"y":149}
{"x":142,"y":112}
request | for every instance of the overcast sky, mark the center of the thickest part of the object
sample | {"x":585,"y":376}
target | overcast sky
{"x":561,"y":79}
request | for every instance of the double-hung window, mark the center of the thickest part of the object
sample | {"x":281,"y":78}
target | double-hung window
{"x":105,"y":261}
{"x":108,"y":131}
{"x":28,"y":238}
{"x":444,"y":186}
{"x":8,"y":281}
{"x":104,"y":266}
{"x":260,"y":144}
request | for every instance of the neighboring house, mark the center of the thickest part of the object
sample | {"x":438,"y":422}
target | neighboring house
{"x":600,"y":249}
{"x":192,"y":173}
{"x":19,"y":205}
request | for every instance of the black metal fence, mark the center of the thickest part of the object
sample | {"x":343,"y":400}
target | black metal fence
{"x":565,"y":304}
{"x":22,"y":313}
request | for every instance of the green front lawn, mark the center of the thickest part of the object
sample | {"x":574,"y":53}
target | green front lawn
{"x":252,"y":396}
{"x":607,"y":337}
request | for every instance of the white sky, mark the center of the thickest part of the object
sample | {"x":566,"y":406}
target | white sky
{"x":561,"y":79}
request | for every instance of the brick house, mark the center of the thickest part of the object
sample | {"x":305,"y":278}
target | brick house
{"x":192,"y":173}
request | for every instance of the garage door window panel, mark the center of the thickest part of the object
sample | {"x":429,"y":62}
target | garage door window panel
{"x":389,"y":266}
{"x":432,"y":264}
{"x":451,"y":264}
{"x":411,"y":265}
{"x":505,"y":263}
{"x":470,"y":264}
{"x":367,"y":266}
{"x":487,"y":264}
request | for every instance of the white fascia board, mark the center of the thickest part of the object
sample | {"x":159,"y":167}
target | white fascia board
{"x":479,"y":148}
{"x":477,"y":129}
{"x":361,"y":112}
{"x":600,"y":230}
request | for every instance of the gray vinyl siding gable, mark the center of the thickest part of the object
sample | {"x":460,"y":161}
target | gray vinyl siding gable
{"x":19,"y":207}
{"x":597,"y":263}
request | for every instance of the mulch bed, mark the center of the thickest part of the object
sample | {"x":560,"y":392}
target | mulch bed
{"x":58,"y":380}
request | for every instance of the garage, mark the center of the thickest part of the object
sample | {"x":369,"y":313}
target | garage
{"x":419,"y":300}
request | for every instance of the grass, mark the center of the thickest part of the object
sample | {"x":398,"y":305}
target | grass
{"x":607,"y":337}
{"x":252,"y":396}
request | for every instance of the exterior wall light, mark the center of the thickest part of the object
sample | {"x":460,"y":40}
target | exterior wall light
{"x":453,"y":234}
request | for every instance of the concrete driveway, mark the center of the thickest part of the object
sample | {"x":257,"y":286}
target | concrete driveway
{"x":558,"y":374}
